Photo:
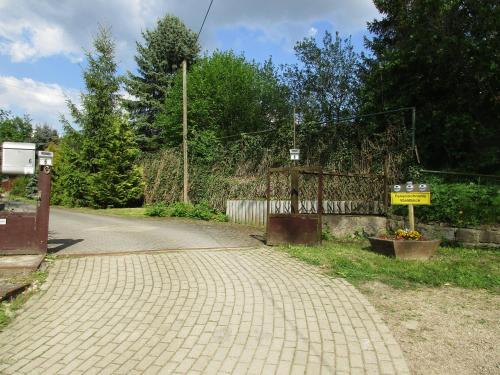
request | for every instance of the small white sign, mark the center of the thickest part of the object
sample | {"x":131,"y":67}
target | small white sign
{"x":294,"y":154}
{"x":3,"y":221}
{"x":397,"y":188}
{"x":46,"y":161}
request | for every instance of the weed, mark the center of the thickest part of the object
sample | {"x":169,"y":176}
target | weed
{"x":8,"y":308}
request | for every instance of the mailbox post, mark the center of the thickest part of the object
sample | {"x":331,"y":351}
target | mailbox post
{"x":26,"y":232}
{"x":43,"y":204}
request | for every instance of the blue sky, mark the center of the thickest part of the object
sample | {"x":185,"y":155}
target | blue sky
{"x":42,"y":41}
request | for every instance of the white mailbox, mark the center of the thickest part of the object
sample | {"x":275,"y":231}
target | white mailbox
{"x":18,"y":158}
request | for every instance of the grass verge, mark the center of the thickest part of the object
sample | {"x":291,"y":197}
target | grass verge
{"x":454,"y":266}
{"x":8,"y":308}
{"x":180,"y":210}
{"x":126,"y":212}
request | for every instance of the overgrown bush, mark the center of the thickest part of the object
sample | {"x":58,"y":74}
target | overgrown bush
{"x":19,"y":186}
{"x":459,"y":204}
{"x":201,"y":211}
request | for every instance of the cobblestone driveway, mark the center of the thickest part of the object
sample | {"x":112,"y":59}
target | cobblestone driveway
{"x":211,"y":312}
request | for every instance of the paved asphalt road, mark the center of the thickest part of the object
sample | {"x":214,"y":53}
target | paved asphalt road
{"x":73,"y":232}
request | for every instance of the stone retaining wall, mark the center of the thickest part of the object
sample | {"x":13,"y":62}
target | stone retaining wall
{"x":467,"y":236}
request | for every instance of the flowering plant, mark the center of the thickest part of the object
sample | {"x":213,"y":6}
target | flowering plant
{"x":405,"y":234}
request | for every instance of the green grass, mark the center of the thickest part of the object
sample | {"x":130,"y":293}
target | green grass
{"x":127,"y":212}
{"x":8,"y":308}
{"x":455,"y":266}
{"x":198,"y":212}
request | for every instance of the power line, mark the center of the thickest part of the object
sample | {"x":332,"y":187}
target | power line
{"x":247,"y":133}
{"x":343,"y":119}
{"x":204,"y":19}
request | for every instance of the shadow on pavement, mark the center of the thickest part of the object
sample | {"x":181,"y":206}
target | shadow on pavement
{"x":64,"y":243}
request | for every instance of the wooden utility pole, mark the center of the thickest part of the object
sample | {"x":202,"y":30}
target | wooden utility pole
{"x":411,"y":217}
{"x":184,"y":131}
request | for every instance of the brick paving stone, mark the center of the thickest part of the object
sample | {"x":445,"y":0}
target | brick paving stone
{"x":255,"y":311}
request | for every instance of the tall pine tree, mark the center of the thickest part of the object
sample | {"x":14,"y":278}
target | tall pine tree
{"x":158,"y":58}
{"x":97,"y":162}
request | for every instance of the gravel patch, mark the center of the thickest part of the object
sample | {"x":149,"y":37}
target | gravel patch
{"x":442,"y":330}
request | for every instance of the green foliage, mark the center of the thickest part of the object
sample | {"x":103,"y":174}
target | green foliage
{"x":227,"y":96}
{"x":199,"y":211}
{"x":325,"y":233}
{"x":158,"y":58}
{"x":157,"y":209}
{"x":43,"y":135}
{"x":31,"y":186}
{"x":460,"y":267}
{"x":97,"y":167}
{"x":19,"y":186}
{"x":8,"y":308}
{"x":324,"y":86}
{"x":442,"y":57}
{"x":14,"y":128}
{"x":462,"y":205}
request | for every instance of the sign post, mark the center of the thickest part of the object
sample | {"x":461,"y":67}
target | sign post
{"x":410,"y":195}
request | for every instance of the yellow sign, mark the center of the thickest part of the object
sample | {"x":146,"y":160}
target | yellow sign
{"x":405,"y":198}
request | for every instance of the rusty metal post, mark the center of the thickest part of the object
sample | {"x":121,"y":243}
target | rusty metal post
{"x":43,"y":208}
{"x":294,"y":190}
{"x":320,"y":191}
{"x":320,"y":204}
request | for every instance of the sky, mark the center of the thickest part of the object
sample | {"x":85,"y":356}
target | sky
{"x":42,"y":42}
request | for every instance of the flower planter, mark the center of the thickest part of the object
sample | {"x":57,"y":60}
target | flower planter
{"x":404,"y":249}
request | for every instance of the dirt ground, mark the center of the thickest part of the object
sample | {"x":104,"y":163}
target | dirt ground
{"x":442,"y":330}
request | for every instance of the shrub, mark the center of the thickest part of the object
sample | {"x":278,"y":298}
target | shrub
{"x":157,"y":209}
{"x":19,"y":186}
{"x":180,"y":209}
{"x":459,"y":204}
{"x":201,"y":211}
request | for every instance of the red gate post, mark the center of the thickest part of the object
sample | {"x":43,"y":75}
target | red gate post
{"x":43,"y":208}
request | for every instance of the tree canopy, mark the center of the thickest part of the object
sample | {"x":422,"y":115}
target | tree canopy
{"x":14,"y":128}
{"x":158,"y":58}
{"x":227,"y":95}
{"x":324,"y":84}
{"x":441,"y":56}
{"x":97,"y":162}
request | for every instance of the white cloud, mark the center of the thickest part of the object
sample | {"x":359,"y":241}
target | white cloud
{"x":44,"y":102}
{"x":32,"y":39}
{"x":31,"y":29}
{"x":312,"y":31}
